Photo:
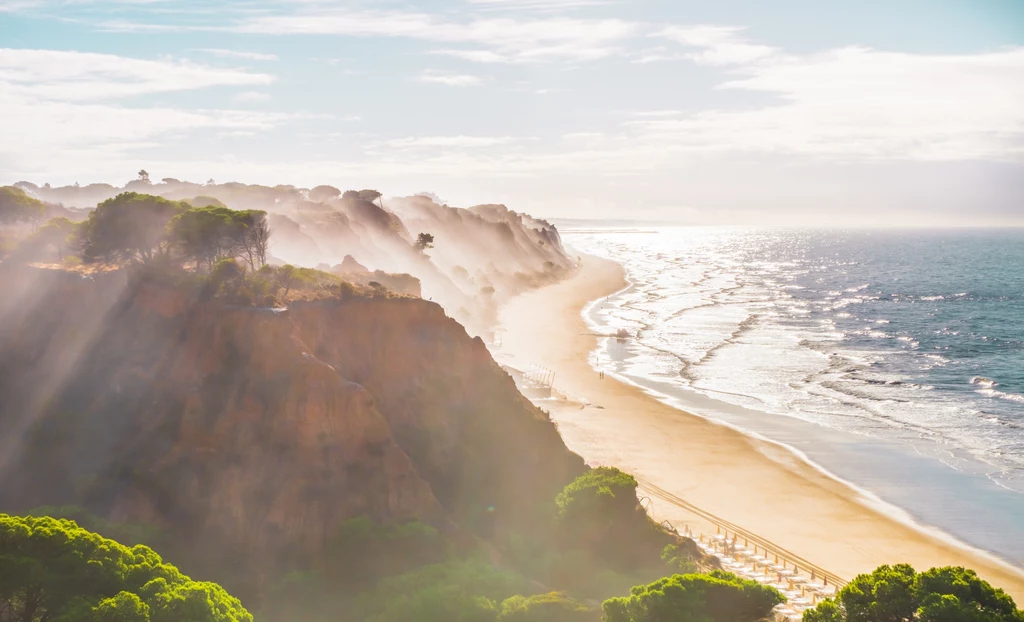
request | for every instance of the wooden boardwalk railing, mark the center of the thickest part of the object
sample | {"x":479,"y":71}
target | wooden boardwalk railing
{"x":731,"y":528}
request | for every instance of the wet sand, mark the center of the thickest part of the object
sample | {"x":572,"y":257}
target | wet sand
{"x":760,"y":486}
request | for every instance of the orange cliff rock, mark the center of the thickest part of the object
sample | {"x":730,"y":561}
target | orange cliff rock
{"x":260,"y":430}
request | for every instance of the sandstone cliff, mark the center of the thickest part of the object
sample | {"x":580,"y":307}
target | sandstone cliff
{"x":257,"y":432}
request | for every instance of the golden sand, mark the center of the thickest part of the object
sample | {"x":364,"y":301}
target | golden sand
{"x":760,"y":486}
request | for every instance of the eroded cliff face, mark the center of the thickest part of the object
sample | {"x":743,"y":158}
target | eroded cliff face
{"x":260,"y":431}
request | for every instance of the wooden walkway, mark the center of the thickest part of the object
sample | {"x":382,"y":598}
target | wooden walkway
{"x":798,"y":562}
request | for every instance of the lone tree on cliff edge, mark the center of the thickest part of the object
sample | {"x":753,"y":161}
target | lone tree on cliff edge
{"x":423,"y":242}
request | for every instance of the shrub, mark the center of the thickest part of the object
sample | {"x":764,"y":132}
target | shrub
{"x":714,"y":597}
{"x":599,"y":494}
{"x":551,"y":607}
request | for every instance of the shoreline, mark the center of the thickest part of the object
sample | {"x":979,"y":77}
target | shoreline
{"x":762,"y":485}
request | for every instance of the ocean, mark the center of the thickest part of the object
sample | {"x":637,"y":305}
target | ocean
{"x":892,"y":359}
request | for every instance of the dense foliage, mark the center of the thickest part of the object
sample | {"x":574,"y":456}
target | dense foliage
{"x":601,"y":505}
{"x":16,"y":206}
{"x":550,"y":607}
{"x":207,"y":234}
{"x":141,"y":227}
{"x":130,"y":226}
{"x":604,"y":494}
{"x":899,"y":594}
{"x":52,"y":569}
{"x":714,"y":597}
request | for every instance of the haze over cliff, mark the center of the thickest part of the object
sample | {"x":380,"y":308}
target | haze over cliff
{"x":479,"y":257}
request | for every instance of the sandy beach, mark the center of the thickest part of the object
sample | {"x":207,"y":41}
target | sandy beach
{"x":760,"y":486}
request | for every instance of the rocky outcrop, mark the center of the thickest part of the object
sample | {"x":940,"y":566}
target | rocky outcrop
{"x":256,"y":430}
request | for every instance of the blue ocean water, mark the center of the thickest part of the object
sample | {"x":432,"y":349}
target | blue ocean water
{"x":910,"y":340}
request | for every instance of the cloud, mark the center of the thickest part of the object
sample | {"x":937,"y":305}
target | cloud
{"x":238,"y":54}
{"x":68,"y":106}
{"x":432,"y":76}
{"x":451,"y":141}
{"x":86,"y":76}
{"x":863,"y":103}
{"x":537,"y":5}
{"x":657,"y":113}
{"x":721,"y":45}
{"x":496,"y":39}
{"x":251,"y":96}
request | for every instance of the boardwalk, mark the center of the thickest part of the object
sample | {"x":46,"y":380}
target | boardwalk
{"x":753,"y":557}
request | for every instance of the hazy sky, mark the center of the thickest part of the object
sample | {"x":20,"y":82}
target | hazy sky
{"x":871,"y":111}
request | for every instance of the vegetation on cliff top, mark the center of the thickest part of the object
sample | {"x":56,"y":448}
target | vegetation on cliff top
{"x":16,"y":206}
{"x":52,"y":569}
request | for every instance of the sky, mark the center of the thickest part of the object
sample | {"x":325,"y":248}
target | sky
{"x":728,"y":112}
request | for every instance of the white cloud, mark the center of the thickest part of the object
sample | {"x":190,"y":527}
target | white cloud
{"x":657,"y":113}
{"x":476,"y":56}
{"x":451,"y":141}
{"x":84,"y":76}
{"x":863,"y":103}
{"x":536,"y":5}
{"x":251,"y":96}
{"x":66,"y":106}
{"x":720,"y":45}
{"x":541,"y":4}
{"x":501,"y":39}
{"x":448,"y":79}
{"x":238,"y":54}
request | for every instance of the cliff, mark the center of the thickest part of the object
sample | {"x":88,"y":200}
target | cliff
{"x":256,"y":432}
{"x":481,"y":255}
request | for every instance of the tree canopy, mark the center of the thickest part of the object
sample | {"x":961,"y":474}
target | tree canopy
{"x":551,"y":607}
{"x":17,"y":206}
{"x":324,"y":193}
{"x":203,"y":201}
{"x":899,"y":594}
{"x":139,"y":227}
{"x":715,"y":597}
{"x":423,"y":242}
{"x":53,"y":570}
{"x":130,"y":226}
{"x":208,"y":234}
{"x":58,"y":233}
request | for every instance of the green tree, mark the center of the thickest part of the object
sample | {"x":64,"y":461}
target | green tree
{"x":130,"y":226}
{"x":208,"y":234}
{"x":125,"y":607}
{"x":59,"y":233}
{"x":255,"y":237}
{"x":423,"y":242}
{"x":204,"y":201}
{"x":551,"y":607}
{"x":899,"y":594}
{"x":714,"y":597}
{"x":52,"y":569}
{"x":17,"y":206}
{"x":601,"y":497}
{"x":321,"y":194}
{"x":369,"y":195}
